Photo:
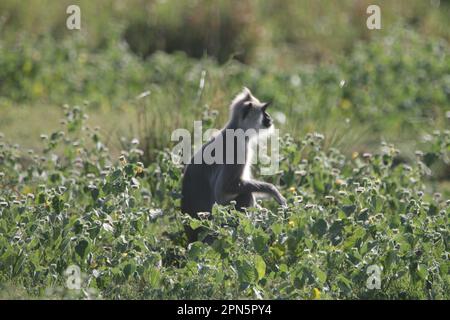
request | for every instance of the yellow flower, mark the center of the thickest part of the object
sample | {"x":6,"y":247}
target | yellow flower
{"x":26,"y":190}
{"x":292,"y":189}
{"x":124,"y":254}
{"x":345,"y":104}
{"x":291,"y":223}
{"x":139,"y":169}
{"x":355,"y":155}
{"x":315,"y":294}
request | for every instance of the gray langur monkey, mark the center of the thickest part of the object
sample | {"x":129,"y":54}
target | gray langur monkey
{"x":205,"y":184}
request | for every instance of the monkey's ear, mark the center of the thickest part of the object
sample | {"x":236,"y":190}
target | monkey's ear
{"x":246,"y":93}
{"x":266,"y":104}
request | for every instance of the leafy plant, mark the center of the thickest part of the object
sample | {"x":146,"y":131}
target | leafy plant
{"x":118,"y":221}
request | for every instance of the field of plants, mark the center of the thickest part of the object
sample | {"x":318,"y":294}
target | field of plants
{"x":87,"y":180}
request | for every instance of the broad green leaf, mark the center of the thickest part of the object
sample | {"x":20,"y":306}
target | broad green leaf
{"x":82,"y":248}
{"x":246,"y":272}
{"x":260,"y":266}
{"x":320,"y":227}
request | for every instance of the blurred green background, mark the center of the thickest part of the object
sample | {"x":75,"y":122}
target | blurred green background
{"x":317,"y":60}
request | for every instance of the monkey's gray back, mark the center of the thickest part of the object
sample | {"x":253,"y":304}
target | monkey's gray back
{"x":198,"y":187}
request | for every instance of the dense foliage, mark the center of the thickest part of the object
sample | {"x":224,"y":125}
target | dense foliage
{"x":396,"y":88}
{"x":371,"y":191}
{"x":118,"y":221}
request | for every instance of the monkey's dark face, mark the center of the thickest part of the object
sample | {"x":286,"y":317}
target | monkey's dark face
{"x":267,"y":120}
{"x":248,"y":113}
{"x":254,"y":116}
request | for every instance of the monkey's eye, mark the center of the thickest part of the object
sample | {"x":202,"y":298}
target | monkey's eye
{"x":246,"y":110}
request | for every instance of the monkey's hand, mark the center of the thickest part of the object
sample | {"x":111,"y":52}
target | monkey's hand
{"x":245,"y":186}
{"x":280,"y":199}
{"x":277,"y":195}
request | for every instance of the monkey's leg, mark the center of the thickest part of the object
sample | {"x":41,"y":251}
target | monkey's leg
{"x":192,"y":235}
{"x":244,"y":200}
{"x":202,"y":203}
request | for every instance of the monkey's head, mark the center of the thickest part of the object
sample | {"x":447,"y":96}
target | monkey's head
{"x":247,"y":112}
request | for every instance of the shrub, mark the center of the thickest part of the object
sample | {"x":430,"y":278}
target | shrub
{"x":118,"y":221}
{"x":222,"y":29}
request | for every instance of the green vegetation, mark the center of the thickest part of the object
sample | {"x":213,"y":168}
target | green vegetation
{"x":102,"y":193}
{"x":342,"y":100}
{"x":119,"y":222}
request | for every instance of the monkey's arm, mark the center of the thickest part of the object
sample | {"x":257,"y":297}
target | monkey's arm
{"x":240,"y":186}
{"x":245,"y":186}
{"x":229,"y":184}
